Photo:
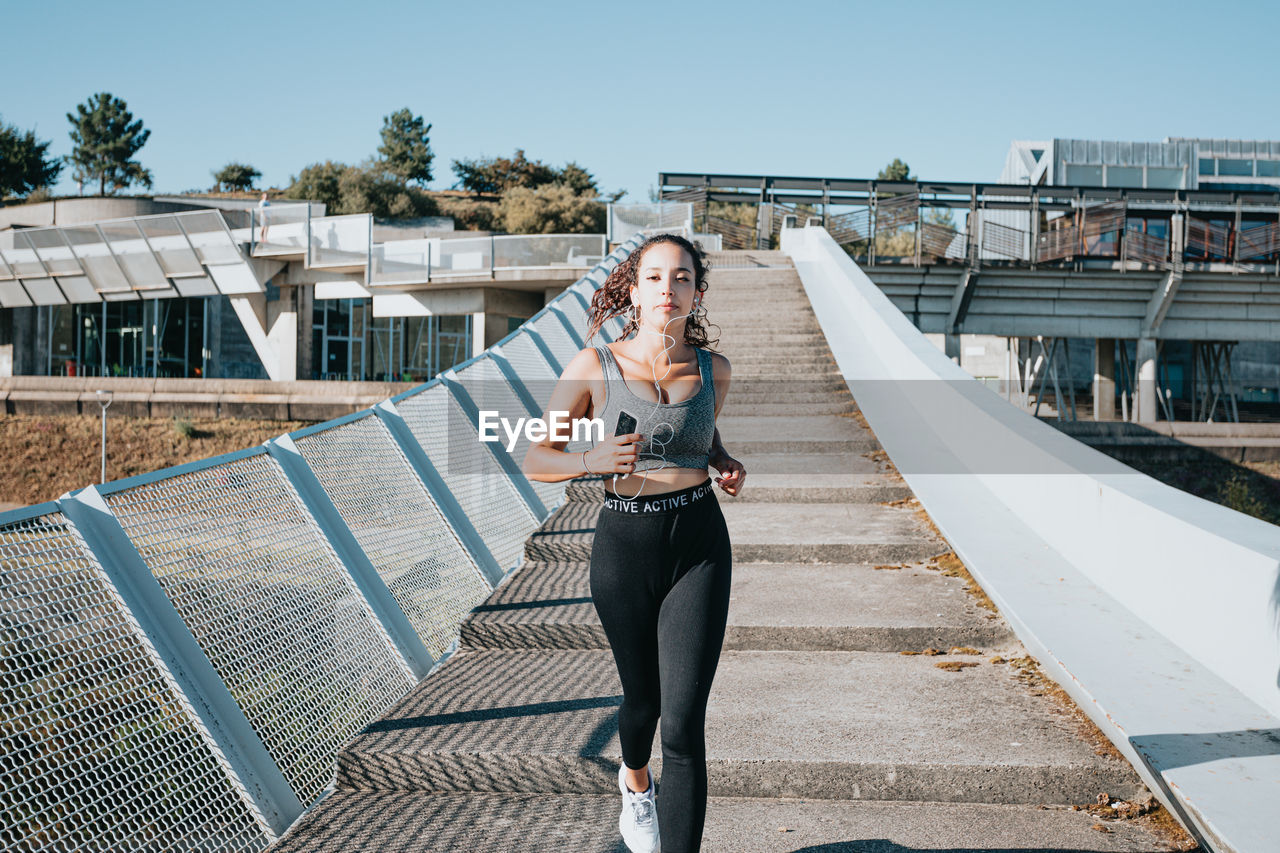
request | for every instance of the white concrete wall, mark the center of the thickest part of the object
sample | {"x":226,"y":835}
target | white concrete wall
{"x":1156,"y":610}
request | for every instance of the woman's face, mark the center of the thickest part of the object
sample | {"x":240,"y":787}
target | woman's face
{"x":665,"y":287}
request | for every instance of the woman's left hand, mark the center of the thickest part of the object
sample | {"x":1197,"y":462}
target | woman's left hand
{"x":732,"y":474}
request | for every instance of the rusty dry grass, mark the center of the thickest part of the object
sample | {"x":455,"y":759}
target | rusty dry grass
{"x":1147,"y":813}
{"x":44,"y":456}
{"x":954,"y":665}
{"x":884,"y":465}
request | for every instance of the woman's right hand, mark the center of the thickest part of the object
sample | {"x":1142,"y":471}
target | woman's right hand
{"x":615,"y":455}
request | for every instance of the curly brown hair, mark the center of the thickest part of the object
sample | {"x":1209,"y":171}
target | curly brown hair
{"x":614,"y":296}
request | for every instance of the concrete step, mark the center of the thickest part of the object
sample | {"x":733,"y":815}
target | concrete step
{"x":801,"y":387}
{"x":774,"y":350}
{"x":802,"y":533}
{"x":754,"y":337}
{"x":808,"y":434}
{"x":756,"y":307}
{"x":794,"y":314}
{"x":772,"y":607}
{"x":809,"y":428}
{"x":786,"y":407}
{"x":827,"y":725}
{"x":413,"y":822}
{"x":782,"y":364}
{"x":830,"y":486}
{"x":764,"y":371}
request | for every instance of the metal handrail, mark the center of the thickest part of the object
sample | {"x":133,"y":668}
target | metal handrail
{"x":221,"y":576}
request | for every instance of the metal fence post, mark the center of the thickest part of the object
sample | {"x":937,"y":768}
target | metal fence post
{"x":513,"y":379}
{"x":351,"y":555}
{"x":545,"y":350}
{"x":552,"y":308}
{"x":206,"y":694}
{"x":439,"y":491}
{"x":500,"y":454}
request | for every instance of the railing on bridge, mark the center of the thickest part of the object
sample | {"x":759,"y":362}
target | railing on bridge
{"x":926,"y":222}
{"x":185,"y":651}
{"x":432,"y":259}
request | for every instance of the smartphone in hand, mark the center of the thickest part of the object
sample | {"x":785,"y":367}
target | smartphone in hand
{"x":626,"y":424}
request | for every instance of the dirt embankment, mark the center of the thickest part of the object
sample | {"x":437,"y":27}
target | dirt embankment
{"x":42,"y":457}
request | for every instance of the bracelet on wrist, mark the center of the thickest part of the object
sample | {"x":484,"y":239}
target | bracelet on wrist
{"x":584,"y":463}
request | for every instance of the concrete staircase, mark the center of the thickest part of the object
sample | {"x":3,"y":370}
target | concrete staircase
{"x":821,"y":734}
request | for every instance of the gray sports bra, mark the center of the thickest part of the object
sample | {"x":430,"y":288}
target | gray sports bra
{"x":687,"y":442}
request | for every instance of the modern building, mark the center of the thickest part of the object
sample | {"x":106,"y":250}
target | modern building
{"x":1238,"y":166}
{"x":1176,"y":163}
{"x":195,"y":287}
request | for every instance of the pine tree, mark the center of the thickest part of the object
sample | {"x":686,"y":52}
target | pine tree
{"x":406,"y":148}
{"x":236,"y":176}
{"x":24,"y":164}
{"x":896,"y":171}
{"x":106,"y":137}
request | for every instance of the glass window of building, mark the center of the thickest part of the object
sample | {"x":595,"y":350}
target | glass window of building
{"x":1080,"y":174}
{"x":145,"y":337}
{"x":1124,"y":176}
{"x":1231,"y":166}
{"x":349,"y":344}
{"x":1164,"y":178}
{"x":1269,"y":168}
{"x":338,"y":353}
{"x":1207,"y":166}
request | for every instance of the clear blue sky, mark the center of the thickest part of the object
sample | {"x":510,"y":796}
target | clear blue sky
{"x":801,"y":88}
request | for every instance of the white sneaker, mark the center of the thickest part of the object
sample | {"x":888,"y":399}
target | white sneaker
{"x":638,"y":822}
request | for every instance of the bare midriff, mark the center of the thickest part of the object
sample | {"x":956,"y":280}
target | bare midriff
{"x":655,"y":482}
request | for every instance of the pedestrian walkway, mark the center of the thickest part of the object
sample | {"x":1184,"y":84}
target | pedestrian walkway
{"x":832,"y":725}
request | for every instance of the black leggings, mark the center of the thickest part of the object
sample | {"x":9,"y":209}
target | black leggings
{"x":660,"y":572}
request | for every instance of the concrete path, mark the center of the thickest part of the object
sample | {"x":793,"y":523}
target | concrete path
{"x":864,"y":699}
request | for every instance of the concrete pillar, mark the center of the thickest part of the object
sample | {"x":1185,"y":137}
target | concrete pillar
{"x":6,"y":341}
{"x":308,"y":361}
{"x":1104,"y":379}
{"x":213,"y":335}
{"x":282,"y":325}
{"x":272,"y":327}
{"x":1146,"y":405}
{"x":951,"y":346}
{"x":487,"y":328}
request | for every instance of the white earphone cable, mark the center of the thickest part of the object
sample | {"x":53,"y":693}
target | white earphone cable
{"x":654,"y":441}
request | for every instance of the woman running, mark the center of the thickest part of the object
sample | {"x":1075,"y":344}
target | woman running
{"x":661,"y":557}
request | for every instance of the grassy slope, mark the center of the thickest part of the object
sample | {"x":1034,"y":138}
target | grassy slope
{"x":42,"y":457}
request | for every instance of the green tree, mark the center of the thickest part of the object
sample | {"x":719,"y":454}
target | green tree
{"x":475,"y":176}
{"x":499,"y":174}
{"x":406,"y":147}
{"x":471,"y":214}
{"x":896,"y":171}
{"x":236,"y":176}
{"x":24,"y":162}
{"x":105,"y":138}
{"x":368,"y":189}
{"x":318,"y":182}
{"x":552,"y":209}
{"x":578,"y":179}
{"x":360,"y":189}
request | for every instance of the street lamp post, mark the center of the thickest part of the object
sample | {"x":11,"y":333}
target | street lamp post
{"x":104,"y":400}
